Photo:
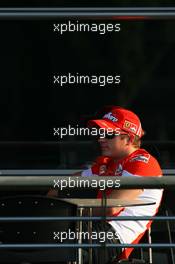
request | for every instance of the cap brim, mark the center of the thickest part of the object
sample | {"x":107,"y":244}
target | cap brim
{"x":102,"y":124}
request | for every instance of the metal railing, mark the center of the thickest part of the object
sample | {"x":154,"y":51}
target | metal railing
{"x":55,"y":172}
{"x":149,"y":182}
{"x":51,"y":13}
{"x":45,"y":182}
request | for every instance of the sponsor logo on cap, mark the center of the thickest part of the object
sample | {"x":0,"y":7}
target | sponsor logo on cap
{"x":110,"y":117}
{"x":130,"y":126}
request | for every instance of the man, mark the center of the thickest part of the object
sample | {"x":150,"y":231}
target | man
{"x":121,"y":155}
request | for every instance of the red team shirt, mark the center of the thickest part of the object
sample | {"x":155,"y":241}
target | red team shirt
{"x":139,"y":163}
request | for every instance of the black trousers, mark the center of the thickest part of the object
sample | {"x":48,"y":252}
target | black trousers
{"x":103,"y":254}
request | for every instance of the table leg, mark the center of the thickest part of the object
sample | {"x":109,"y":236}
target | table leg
{"x":90,"y":235}
{"x":80,"y":256}
{"x":103,"y":247}
{"x":150,"y":249}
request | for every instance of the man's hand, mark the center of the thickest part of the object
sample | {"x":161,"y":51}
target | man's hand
{"x":52,"y":193}
{"x":78,"y":173}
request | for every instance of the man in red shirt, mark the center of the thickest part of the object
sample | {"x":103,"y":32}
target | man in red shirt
{"x":121,"y":155}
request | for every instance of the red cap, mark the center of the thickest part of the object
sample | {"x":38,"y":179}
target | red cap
{"x":118,"y":118}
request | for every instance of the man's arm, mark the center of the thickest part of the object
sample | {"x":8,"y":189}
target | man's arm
{"x":78,"y":173}
{"x":118,"y":194}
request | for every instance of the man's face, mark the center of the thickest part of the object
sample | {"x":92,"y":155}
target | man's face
{"x":116,"y":147}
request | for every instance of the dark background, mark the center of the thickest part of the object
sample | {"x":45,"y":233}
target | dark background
{"x":87,"y":3}
{"x":31,"y":53}
{"x":142,"y":53}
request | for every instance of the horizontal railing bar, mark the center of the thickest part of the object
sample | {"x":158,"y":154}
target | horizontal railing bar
{"x":73,"y":142}
{"x":156,"y":245}
{"x":94,"y":182}
{"x":153,"y":12}
{"x":89,"y":8}
{"x":56,"y":172}
{"x":78,"y":218}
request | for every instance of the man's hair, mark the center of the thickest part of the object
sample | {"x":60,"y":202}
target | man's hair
{"x":136,"y":142}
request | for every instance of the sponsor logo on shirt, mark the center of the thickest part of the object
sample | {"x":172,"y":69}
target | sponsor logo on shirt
{"x":119,"y":170}
{"x":143,"y":158}
{"x":102,"y":169}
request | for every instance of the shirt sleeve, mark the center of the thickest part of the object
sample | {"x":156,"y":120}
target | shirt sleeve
{"x":87,"y":172}
{"x":138,"y":166}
